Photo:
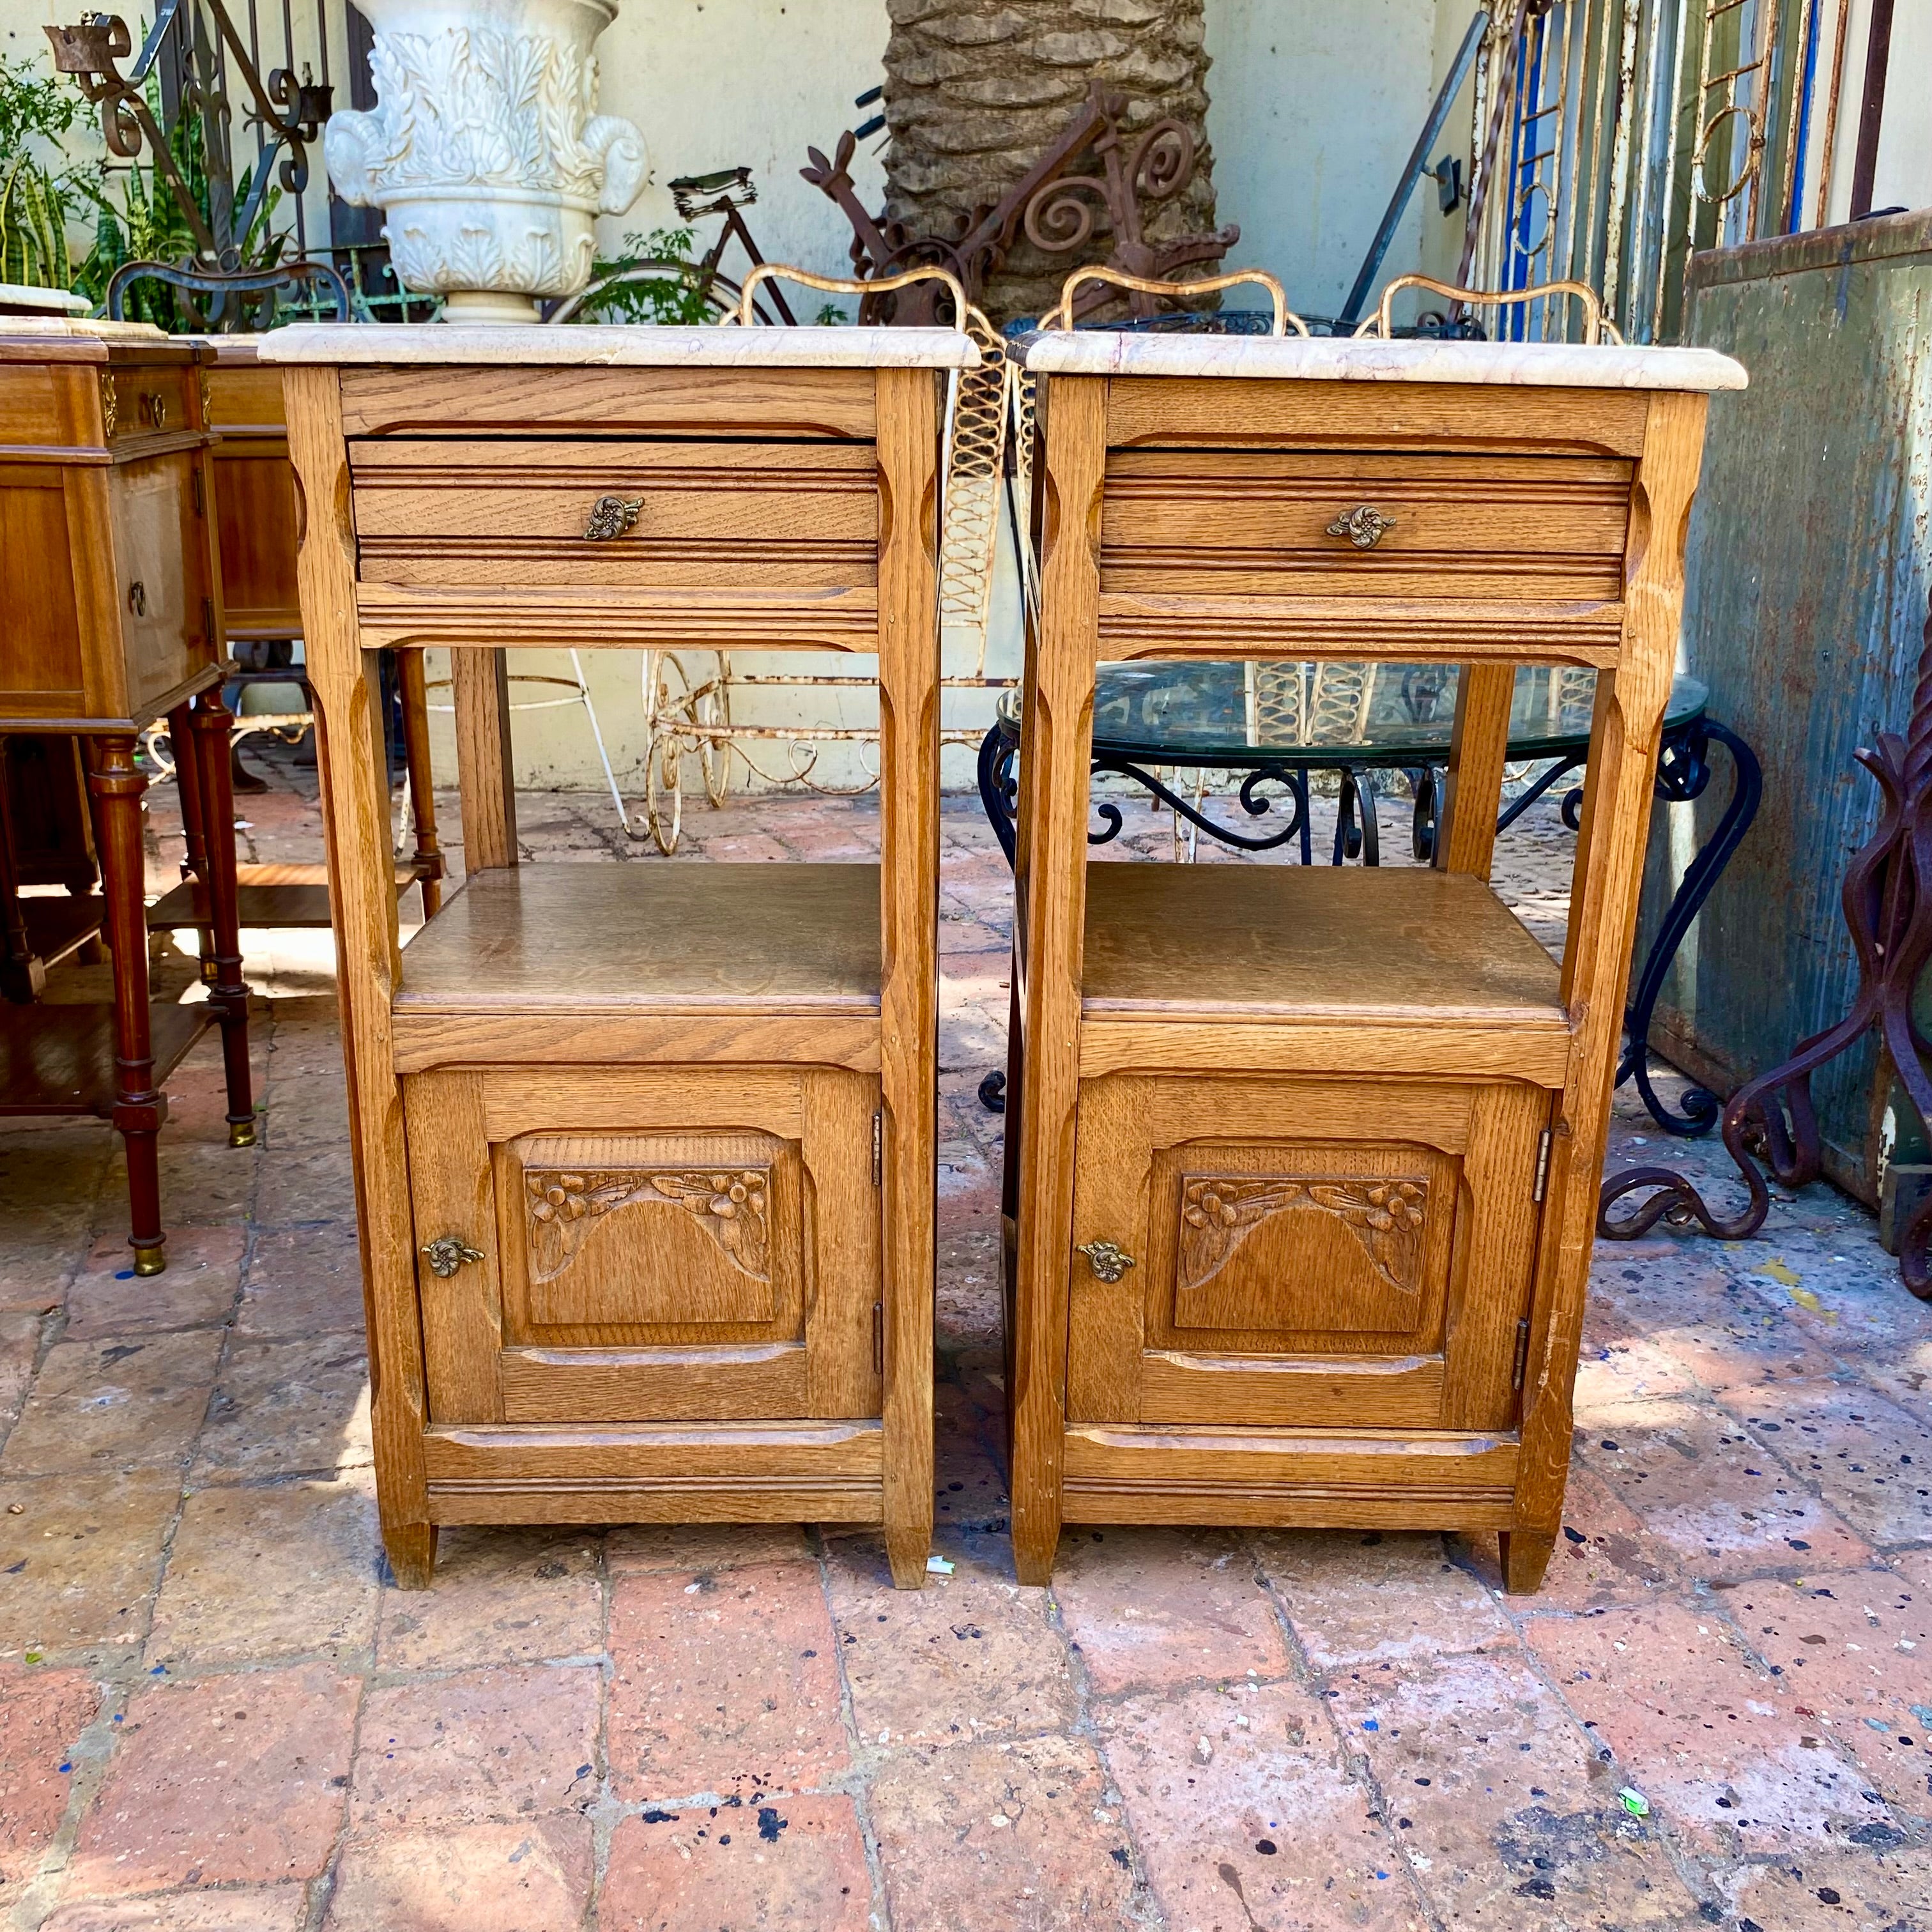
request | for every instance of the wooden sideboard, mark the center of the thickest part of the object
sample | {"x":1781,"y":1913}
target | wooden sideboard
{"x":113,"y":619}
{"x":1302,"y":1163}
{"x":644,"y":1152}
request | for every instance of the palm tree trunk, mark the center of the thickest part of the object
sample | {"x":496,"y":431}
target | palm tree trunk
{"x":977,"y":90}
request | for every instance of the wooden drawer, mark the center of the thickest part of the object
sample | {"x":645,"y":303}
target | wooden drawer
{"x":646,"y":1244}
{"x":1196,"y":523}
{"x":701,"y":514}
{"x":151,"y":402}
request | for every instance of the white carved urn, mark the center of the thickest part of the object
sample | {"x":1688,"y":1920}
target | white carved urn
{"x":485,"y":149}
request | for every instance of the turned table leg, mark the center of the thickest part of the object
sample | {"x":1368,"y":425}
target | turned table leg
{"x":187,"y":749}
{"x":21,"y":975}
{"x":428,"y":853}
{"x":115,"y":786}
{"x":228,"y":992}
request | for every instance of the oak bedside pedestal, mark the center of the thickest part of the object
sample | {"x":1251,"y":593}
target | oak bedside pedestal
{"x":111,"y":618}
{"x":644,"y":1152}
{"x":1303,"y":1173}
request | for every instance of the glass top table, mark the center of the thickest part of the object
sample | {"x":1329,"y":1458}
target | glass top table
{"x":1184,"y":711}
{"x":1280,"y":722}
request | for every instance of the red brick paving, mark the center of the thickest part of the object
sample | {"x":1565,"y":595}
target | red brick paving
{"x":232,"y":1779}
{"x":518,"y":1749}
{"x":795,"y":1862}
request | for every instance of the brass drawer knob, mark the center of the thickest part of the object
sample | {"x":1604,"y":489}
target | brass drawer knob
{"x":152,"y":409}
{"x":1107,"y":1260}
{"x":1364,"y":526}
{"x":612,"y":516}
{"x":447,"y":1253}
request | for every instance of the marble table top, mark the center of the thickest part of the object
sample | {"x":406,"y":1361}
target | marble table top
{"x":1096,"y":352}
{"x":624,"y":344}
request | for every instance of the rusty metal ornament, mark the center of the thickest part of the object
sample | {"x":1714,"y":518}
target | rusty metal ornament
{"x":1058,"y":209}
{"x":1887,"y":898}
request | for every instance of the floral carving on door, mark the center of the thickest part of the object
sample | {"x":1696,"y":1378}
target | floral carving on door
{"x":1385,"y":1215}
{"x":732,"y":1205}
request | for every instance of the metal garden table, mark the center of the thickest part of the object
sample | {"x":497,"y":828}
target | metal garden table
{"x":1278,"y":723}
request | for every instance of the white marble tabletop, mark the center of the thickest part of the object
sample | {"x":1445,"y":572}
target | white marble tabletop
{"x":620,"y":344}
{"x":1100,"y":352}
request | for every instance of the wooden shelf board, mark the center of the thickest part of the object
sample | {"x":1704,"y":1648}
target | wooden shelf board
{"x":664,"y":936}
{"x":57,"y":925}
{"x":60,"y":1059}
{"x":267,"y":896}
{"x":1352,"y":945}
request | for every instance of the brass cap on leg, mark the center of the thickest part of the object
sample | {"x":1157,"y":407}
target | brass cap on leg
{"x":150,"y":1261}
{"x":242,"y":1133}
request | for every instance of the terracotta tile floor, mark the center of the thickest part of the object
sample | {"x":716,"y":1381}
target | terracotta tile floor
{"x":216,"y":1715}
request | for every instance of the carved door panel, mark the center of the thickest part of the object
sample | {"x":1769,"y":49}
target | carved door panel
{"x":1302,"y":1252}
{"x":646,"y":1246}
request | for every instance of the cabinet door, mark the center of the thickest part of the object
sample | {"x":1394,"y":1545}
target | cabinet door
{"x":1303,"y":1253}
{"x":646,"y":1246}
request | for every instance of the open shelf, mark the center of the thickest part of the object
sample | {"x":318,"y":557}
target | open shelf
{"x":266,"y":896}
{"x":678,"y":937}
{"x":1319,"y":944}
{"x":57,"y":1059}
{"x":59,"y":925}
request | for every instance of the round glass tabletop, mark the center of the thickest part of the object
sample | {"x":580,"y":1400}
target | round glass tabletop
{"x":1183,"y":712}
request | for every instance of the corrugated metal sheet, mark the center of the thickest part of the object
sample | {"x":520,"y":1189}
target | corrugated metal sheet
{"x":1811,"y":556}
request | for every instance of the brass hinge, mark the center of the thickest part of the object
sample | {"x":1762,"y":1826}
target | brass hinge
{"x":878,"y":1338}
{"x":1542,"y":1171}
{"x":208,"y":622}
{"x":1522,"y":1353}
{"x":200,"y":508}
{"x":878,"y":1149}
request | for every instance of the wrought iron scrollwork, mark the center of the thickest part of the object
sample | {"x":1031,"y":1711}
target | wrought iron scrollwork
{"x":289,"y":112}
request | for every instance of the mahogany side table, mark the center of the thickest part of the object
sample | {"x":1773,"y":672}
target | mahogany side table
{"x":113,"y":619}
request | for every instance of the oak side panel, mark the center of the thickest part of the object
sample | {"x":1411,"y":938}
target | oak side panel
{"x":481,"y":687}
{"x":453,"y":1191}
{"x":356,"y":819}
{"x":1051,"y":863}
{"x":908,"y":646}
{"x":1624,"y":737}
{"x":845,"y":1230}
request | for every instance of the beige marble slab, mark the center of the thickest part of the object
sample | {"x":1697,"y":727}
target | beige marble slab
{"x":1095,"y":352}
{"x":627,"y":345}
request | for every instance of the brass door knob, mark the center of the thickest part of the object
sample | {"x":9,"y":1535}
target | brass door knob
{"x":447,"y":1252}
{"x":1107,"y":1260}
{"x":137,"y":598}
{"x":612,"y":516}
{"x":1364,"y":526}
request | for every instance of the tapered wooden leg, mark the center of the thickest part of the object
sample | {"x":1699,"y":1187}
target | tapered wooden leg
{"x":115,"y":787}
{"x":428,"y":854}
{"x":411,"y":1549}
{"x":228,"y":992}
{"x":1525,"y":1555}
